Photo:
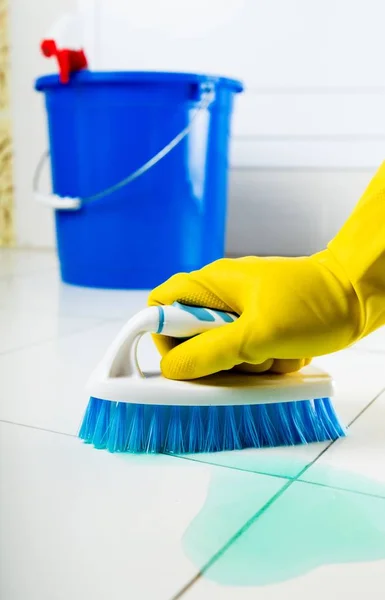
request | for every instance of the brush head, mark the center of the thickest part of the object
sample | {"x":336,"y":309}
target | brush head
{"x":227,"y":411}
{"x":131,"y":411}
{"x":151,"y":428}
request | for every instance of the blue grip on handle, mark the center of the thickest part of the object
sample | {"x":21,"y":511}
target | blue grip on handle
{"x":202,"y":314}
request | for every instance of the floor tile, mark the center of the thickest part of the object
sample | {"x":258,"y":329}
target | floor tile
{"x":375,"y":342}
{"x":282,"y":462}
{"x":45,"y":293}
{"x":50,"y":394}
{"x":20,"y":329}
{"x":310,"y":543}
{"x":357,"y":462}
{"x":77,"y":523}
{"x":359,"y":377}
{"x":22,"y":262}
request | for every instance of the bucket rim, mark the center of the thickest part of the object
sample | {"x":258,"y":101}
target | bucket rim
{"x":119,"y":77}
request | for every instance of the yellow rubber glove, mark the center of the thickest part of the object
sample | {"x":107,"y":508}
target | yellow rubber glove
{"x":290,"y":309}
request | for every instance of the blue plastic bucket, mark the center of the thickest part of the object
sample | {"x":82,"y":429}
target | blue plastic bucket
{"x":147,"y":155}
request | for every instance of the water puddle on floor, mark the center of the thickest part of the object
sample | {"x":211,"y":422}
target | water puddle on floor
{"x":307,"y":526}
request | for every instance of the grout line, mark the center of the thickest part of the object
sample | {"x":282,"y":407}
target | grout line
{"x":231,"y":468}
{"x":363,"y":410}
{"x":303,"y":169}
{"x":239,"y":533}
{"x":341,"y":489}
{"x":268,"y":504}
{"x":233,"y":539}
{"x":36,"y":428}
{"x":72,"y":435}
{"x":327,"y":137}
{"x":201,"y":462}
{"x":315,"y":90}
{"x":285,"y":477}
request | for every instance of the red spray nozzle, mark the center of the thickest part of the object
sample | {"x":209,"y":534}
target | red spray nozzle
{"x":68,"y":60}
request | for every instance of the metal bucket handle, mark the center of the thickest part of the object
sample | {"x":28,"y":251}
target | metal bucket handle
{"x":71,"y":203}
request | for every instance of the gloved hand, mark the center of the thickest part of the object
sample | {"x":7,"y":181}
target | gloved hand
{"x":290,"y":309}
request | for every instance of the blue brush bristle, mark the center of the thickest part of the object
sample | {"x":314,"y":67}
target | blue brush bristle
{"x":328,"y":418}
{"x":310,"y":422}
{"x":283,"y":424}
{"x":230,"y":428}
{"x":90,"y":419}
{"x":195,"y":431}
{"x":136,"y":439}
{"x":265,"y":425}
{"x":121,"y":427}
{"x":295,"y":422}
{"x":247,"y":429}
{"x":175,"y":436}
{"x":156,"y":433}
{"x":213,"y":441}
{"x":103,"y":423}
{"x":117,"y":438}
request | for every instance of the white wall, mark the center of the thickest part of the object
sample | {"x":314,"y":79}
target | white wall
{"x":308,"y":132}
{"x":313,"y":70}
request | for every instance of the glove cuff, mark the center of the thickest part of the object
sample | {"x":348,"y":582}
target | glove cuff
{"x":359,"y":247}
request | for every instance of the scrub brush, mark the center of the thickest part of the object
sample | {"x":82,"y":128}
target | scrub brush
{"x":131,"y":411}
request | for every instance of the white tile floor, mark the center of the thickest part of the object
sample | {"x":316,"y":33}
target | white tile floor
{"x":75,"y":523}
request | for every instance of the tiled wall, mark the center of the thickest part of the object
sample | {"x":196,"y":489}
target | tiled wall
{"x":310,"y":129}
{"x":315,"y":88}
{"x":6,"y":155}
{"x":308,"y":133}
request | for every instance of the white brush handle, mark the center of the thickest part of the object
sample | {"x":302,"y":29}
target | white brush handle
{"x":118,"y":377}
{"x":177,"y":320}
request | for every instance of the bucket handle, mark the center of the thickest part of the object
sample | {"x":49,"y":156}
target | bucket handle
{"x":71,"y":203}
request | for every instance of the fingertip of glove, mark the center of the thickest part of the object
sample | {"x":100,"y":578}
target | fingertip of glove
{"x":168,"y":292}
{"x":178,"y":366}
{"x":286,"y":366}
